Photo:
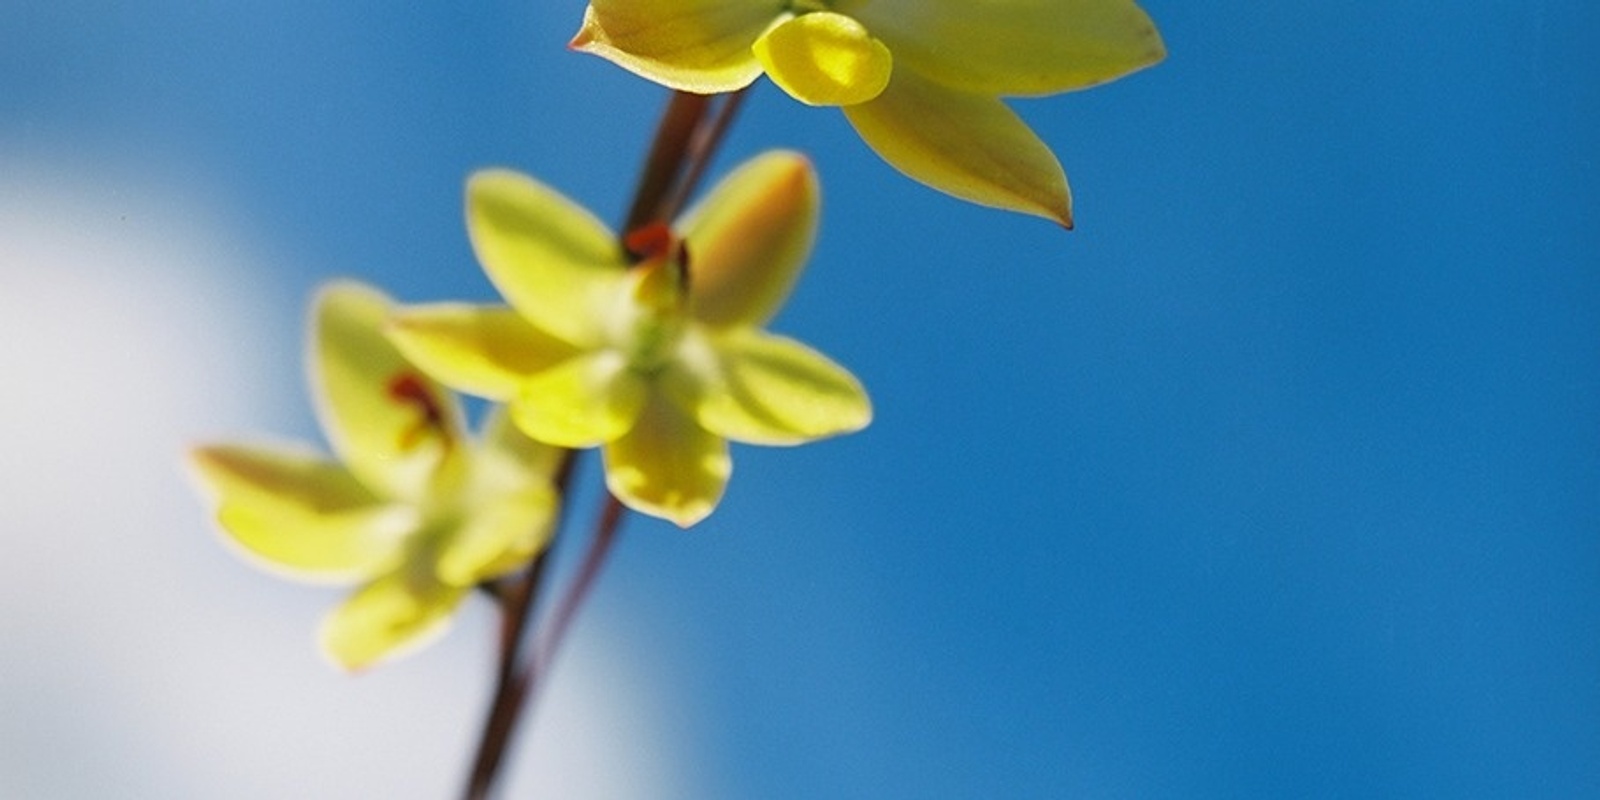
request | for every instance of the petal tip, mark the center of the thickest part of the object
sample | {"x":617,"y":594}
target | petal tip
{"x":1054,"y":205}
{"x":687,"y":521}
{"x":683,"y":515}
{"x":585,"y":36}
{"x":678,"y":508}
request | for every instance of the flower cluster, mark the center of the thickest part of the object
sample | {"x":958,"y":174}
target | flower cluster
{"x":647,"y":343}
{"x":650,"y":347}
{"x":413,"y":509}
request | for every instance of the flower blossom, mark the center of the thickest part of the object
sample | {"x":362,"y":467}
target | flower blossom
{"x":654,"y":351}
{"x":921,"y":80}
{"x":414,"y":510}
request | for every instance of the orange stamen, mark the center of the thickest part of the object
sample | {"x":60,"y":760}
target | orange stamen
{"x":408,"y":388}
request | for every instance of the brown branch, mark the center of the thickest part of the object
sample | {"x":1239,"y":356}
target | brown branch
{"x":668,"y":154}
{"x":701,"y":148}
{"x":513,"y":695}
{"x":516,"y":599}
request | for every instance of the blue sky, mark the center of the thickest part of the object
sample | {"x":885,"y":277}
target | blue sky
{"x":1279,"y":476}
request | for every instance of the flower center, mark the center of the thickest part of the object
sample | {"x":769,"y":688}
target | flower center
{"x":658,"y":299}
{"x":409,"y":389}
{"x":653,"y":340}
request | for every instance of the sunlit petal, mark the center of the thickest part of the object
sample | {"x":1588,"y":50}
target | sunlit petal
{"x":509,"y":505}
{"x":700,"y":46}
{"x":390,"y":423}
{"x":585,"y":401}
{"x":773,"y":390}
{"x":391,"y":616}
{"x":502,"y":532}
{"x":749,"y":238}
{"x":551,"y":259}
{"x":300,"y":514}
{"x":967,"y":145}
{"x":1016,"y":47}
{"x":509,"y":458}
{"x":825,"y":59}
{"x":482,"y":350}
{"x":668,"y":466}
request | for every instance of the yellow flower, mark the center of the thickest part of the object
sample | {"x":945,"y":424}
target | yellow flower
{"x":921,"y":80}
{"x":661,"y":361}
{"x":416,"y":512}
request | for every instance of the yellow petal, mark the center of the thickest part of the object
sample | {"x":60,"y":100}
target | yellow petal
{"x":749,"y":238}
{"x":389,"y":617}
{"x":510,"y":507}
{"x":668,"y":466}
{"x":1016,"y":47}
{"x":825,"y":59}
{"x":299,"y":514}
{"x":483,"y":350}
{"x":391,"y":424}
{"x":551,"y":259}
{"x":510,"y":458}
{"x":700,"y":46}
{"x":500,"y":532}
{"x":771,"y":390}
{"x":585,"y":401}
{"x":966,"y":145}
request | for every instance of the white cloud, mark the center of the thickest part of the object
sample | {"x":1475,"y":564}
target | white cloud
{"x":140,"y":658}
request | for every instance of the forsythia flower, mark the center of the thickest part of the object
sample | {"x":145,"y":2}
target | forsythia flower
{"x":660,"y":361}
{"x":417,"y":512}
{"x":921,"y":80}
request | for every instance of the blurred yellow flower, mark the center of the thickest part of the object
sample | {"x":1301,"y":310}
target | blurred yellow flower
{"x":660,"y":361}
{"x":921,"y":80}
{"x":416,"y":511}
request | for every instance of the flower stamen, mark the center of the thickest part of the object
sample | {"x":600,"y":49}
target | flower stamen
{"x":408,"y":388}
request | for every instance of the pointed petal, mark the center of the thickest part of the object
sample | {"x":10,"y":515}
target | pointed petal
{"x":389,"y":617}
{"x":825,"y":59}
{"x":771,"y":390}
{"x":391,"y":424}
{"x":585,"y":401}
{"x":482,"y":350}
{"x":749,"y":238}
{"x":299,"y":514}
{"x":551,"y":259}
{"x":668,"y":466}
{"x":967,"y":145}
{"x":1016,"y":47}
{"x":700,"y":46}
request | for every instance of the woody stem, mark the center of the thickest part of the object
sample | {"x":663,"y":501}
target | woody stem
{"x":544,"y":651}
{"x":514,"y":691}
{"x":665,"y":163}
{"x":517,"y":599}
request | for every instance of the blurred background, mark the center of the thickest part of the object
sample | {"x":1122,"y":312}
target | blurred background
{"x":1279,"y":476}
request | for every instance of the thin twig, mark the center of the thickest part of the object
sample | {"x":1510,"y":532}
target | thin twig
{"x":516,"y":601}
{"x":667,"y":156}
{"x":525,"y":684}
{"x":555,"y":629}
{"x":704,"y":144}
